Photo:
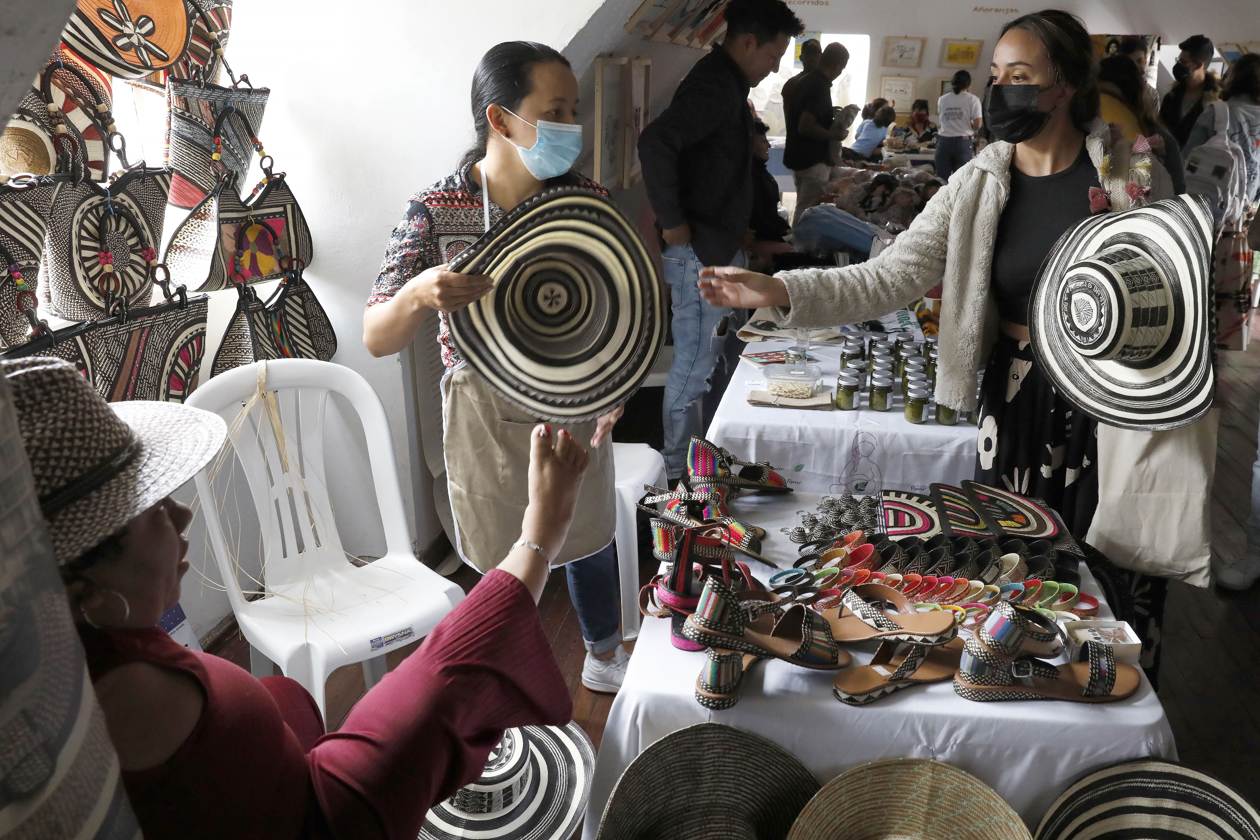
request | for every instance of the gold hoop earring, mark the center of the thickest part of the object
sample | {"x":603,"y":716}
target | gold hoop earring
{"x":126,"y":611}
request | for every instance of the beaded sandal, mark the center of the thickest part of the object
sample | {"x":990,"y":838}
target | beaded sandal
{"x":706,"y":460}
{"x":798,"y":635}
{"x":897,"y":666}
{"x":857,"y":620}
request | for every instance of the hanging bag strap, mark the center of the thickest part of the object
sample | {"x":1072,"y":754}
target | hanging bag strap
{"x":110,"y":284}
{"x":97,"y":111}
{"x":216,"y":45}
{"x":1220,"y":111}
{"x":221,"y":120}
{"x":25,"y":299}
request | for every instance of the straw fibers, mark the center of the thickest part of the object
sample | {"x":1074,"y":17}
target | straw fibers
{"x":708,"y":782}
{"x":907,"y":798}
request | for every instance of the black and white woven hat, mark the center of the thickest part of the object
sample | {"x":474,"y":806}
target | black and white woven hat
{"x":576,"y":318}
{"x":1120,"y":316}
{"x":534,"y":787}
{"x":1147,"y":798}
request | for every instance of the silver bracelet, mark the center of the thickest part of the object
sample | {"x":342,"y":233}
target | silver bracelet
{"x":535,"y":546}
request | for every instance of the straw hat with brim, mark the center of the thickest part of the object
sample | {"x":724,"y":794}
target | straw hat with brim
{"x":97,"y":466}
{"x":1146,"y":798}
{"x":534,"y":787}
{"x":907,"y":798}
{"x":708,"y":782}
{"x":1121,"y":315}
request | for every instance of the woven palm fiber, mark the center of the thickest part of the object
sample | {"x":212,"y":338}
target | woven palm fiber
{"x":910,"y":798}
{"x":708,"y":782}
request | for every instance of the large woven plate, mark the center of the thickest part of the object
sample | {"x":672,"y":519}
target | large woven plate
{"x":575,"y":320}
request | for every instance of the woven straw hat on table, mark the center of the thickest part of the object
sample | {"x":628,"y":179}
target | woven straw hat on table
{"x":98,"y":465}
{"x":907,"y":798}
{"x":708,"y":782}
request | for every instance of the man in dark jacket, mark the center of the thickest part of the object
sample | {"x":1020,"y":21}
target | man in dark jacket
{"x":810,"y":132}
{"x":1194,"y":88}
{"x":697,"y":168}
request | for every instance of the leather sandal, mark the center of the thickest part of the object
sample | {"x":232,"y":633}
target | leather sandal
{"x":897,"y":666}
{"x":721,"y":680}
{"x":858,"y":619}
{"x":798,"y":634}
{"x":1096,"y":676}
{"x":709,"y":461}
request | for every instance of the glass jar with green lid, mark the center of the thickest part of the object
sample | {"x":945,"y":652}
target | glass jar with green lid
{"x":916,"y":405}
{"x":847,"y":387}
{"x":913,"y":379}
{"x":881,"y":392}
{"x":946,"y":416}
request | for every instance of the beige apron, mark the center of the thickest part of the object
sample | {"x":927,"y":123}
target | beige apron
{"x":487,"y":475}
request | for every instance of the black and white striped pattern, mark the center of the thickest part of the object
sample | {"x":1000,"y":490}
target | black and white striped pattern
{"x":1146,"y":798}
{"x":194,"y":109}
{"x":576,"y":318}
{"x":1120,"y":315}
{"x":90,"y":34}
{"x":23,"y":223}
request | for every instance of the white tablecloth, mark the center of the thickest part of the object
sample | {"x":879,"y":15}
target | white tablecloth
{"x":1028,"y":752}
{"x":811,"y":448}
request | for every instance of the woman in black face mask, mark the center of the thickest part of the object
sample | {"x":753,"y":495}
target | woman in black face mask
{"x":984,"y":235}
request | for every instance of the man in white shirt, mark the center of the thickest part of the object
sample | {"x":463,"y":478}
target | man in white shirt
{"x":961,"y":117}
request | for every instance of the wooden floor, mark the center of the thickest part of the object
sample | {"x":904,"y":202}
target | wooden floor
{"x":1210,"y":676}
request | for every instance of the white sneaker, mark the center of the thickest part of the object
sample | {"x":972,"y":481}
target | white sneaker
{"x":1240,"y":573}
{"x":605,"y":675}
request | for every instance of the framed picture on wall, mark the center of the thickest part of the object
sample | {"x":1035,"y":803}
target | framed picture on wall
{"x":898,"y":90}
{"x":639,"y":90}
{"x":904,"y":52}
{"x":961,"y":53}
{"x":943,"y":86}
{"x":611,"y":94}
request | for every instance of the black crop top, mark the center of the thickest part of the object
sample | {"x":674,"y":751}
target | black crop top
{"x":1036,"y":215}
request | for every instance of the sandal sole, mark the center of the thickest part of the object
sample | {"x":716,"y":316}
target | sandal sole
{"x":735,"y":643}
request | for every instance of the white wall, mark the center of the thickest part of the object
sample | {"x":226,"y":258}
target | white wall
{"x":366,"y":108}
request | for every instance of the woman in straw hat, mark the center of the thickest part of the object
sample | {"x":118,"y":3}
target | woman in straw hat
{"x":205,"y":749}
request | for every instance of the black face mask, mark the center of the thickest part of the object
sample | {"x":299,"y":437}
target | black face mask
{"x":1180,"y":72}
{"x":1011,"y":113}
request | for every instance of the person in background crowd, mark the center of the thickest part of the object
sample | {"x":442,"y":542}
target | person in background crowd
{"x":697,"y":168}
{"x":1241,"y":92}
{"x":524,"y":101}
{"x":919,"y":129}
{"x":811,"y":51}
{"x":767,"y":225}
{"x":961,"y":118}
{"x":1122,"y":88}
{"x":869,"y":139}
{"x":1195,"y":87}
{"x":206,"y":750}
{"x":872,"y":107}
{"x":1134,"y":49}
{"x":810,"y":131}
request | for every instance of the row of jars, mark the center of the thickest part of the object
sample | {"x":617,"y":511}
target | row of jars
{"x":880,"y":364}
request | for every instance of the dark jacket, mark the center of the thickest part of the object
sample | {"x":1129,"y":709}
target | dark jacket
{"x":1170,"y":109}
{"x":697,"y":158}
{"x":766,"y":223}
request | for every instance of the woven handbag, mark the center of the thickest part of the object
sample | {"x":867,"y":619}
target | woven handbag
{"x":200,"y":129}
{"x":25,"y":203}
{"x":62,"y":123}
{"x":292,"y":324}
{"x":148,"y":353}
{"x":129,"y":38}
{"x":203,"y":59}
{"x":102,"y":242}
{"x":225,"y":240}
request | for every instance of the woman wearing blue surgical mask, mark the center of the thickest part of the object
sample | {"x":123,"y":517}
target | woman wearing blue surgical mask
{"x":524,"y":109}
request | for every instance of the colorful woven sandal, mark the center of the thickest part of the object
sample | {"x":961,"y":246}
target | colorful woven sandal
{"x":1095,"y":678}
{"x":709,"y":461}
{"x":692,"y":509}
{"x":798,"y":634}
{"x":721,"y":680}
{"x":897,"y":666}
{"x":860,"y":619}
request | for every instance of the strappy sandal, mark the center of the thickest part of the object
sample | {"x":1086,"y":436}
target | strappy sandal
{"x":859,"y":620}
{"x":708,"y":461}
{"x":897,"y":666}
{"x":1095,"y":677}
{"x":721,"y":680}
{"x":798,"y":635}
{"x":744,"y":538}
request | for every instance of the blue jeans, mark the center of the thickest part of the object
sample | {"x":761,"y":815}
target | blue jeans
{"x":705,"y":353}
{"x":952,"y":154}
{"x":593,"y":590}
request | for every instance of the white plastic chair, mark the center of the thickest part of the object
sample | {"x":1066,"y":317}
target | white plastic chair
{"x":635,"y":464}
{"x":318,"y":611}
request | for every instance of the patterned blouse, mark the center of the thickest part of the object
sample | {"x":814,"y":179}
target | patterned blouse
{"x":439,"y":223}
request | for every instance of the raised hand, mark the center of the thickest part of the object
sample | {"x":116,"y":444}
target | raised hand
{"x":726,"y":285}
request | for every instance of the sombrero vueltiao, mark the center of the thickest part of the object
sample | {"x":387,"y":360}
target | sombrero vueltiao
{"x":1149,"y":798}
{"x":1120,"y":316}
{"x":534,"y":787}
{"x":575,"y":320}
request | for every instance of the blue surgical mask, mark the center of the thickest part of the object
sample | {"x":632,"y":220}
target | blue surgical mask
{"x":554,"y":152}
